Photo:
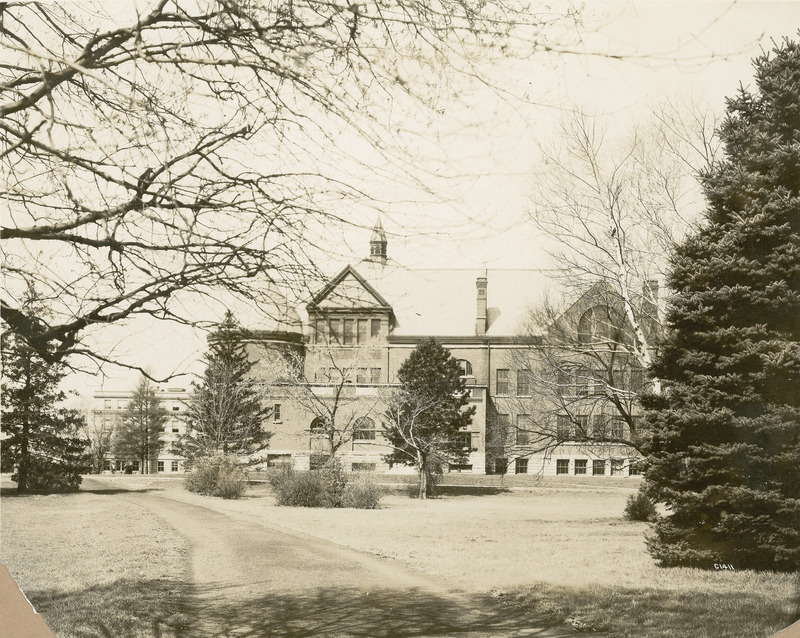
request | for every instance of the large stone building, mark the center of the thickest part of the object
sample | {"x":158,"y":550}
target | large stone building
{"x":348,"y":344}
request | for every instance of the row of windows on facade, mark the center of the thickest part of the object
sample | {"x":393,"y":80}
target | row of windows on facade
{"x":108,"y":404}
{"x":580,"y":467}
{"x":346,"y":331}
{"x":579,"y":383}
{"x":568,"y":427}
{"x":365,"y":429}
{"x":118,"y":465}
{"x":360,"y":376}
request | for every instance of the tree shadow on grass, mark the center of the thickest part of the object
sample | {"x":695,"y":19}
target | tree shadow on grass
{"x":160,"y":609}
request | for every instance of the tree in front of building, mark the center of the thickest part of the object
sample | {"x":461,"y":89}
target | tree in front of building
{"x":426,"y":415}
{"x":224,"y":413}
{"x":725,"y":446}
{"x":41,"y":440}
{"x":139,"y":434}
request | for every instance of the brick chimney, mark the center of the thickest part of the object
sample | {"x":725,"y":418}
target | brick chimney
{"x":481,"y":316}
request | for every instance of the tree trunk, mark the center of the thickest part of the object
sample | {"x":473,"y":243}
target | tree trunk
{"x":423,"y":477}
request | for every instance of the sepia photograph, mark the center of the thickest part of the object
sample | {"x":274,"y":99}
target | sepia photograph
{"x":400,"y":318}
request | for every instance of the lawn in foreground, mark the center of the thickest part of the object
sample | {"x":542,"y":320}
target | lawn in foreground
{"x":94,"y":565}
{"x":562,"y":549}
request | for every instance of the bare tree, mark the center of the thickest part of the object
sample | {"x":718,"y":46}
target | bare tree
{"x":175,"y":148}
{"x":323,"y":383}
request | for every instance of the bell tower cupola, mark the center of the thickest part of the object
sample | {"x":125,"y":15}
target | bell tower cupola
{"x":377,"y":243}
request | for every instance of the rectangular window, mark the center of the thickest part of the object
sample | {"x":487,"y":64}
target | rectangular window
{"x":562,"y":427}
{"x":460,"y":467}
{"x":564,"y":384}
{"x":524,"y":429}
{"x":581,"y":427}
{"x":135,"y":466}
{"x":176,"y":430}
{"x":580,"y":466}
{"x":375,"y":328}
{"x":349,"y":332}
{"x":336,"y":330}
{"x":107,"y":464}
{"x":616,"y":467}
{"x":375,"y":375}
{"x":598,"y":467}
{"x":279,"y":460}
{"x":362,"y":331}
{"x":320,"y":332}
{"x":503,"y":428}
{"x":176,"y":406}
{"x":562,"y":466}
{"x":523,"y":383}
{"x":637,"y":380}
{"x":276,"y":413}
{"x":363,"y":434}
{"x":617,"y":429}
{"x":502,"y":388}
{"x":174,"y":466}
{"x":466,"y":440}
{"x":107,"y":404}
{"x":582,"y":384}
{"x":634,"y":469}
{"x":361,"y":376}
{"x":161,"y":466}
{"x":521,"y":466}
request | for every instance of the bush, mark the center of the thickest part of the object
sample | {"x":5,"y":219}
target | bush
{"x":218,"y":475}
{"x":329,"y":486}
{"x":640,"y":507}
{"x":362,"y":492}
{"x":49,"y":475}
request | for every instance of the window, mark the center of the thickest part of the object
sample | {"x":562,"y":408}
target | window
{"x":135,"y":466}
{"x":521,"y":466}
{"x":107,"y":404}
{"x":176,"y":430}
{"x":600,"y":325}
{"x":174,"y":466}
{"x":598,"y":467}
{"x":176,"y":406}
{"x":582,"y":384}
{"x":580,"y":466}
{"x":362,"y":331}
{"x":524,"y":429}
{"x":349,"y":332}
{"x":320,"y":332}
{"x":466,"y":367}
{"x":279,"y":460}
{"x":562,"y":427}
{"x":318,"y":426}
{"x":502,"y":387}
{"x":336,"y":330}
{"x":460,"y":467}
{"x":375,"y":375}
{"x":617,"y":429}
{"x":375,"y":328}
{"x":562,"y":466}
{"x":107,"y":464}
{"x":634,"y":469}
{"x":616,"y":467}
{"x":120,"y":404}
{"x":276,"y":413}
{"x":466,"y":440}
{"x":363,"y":467}
{"x":161,"y":466}
{"x":361,"y":376}
{"x":364,"y":429}
{"x":523,"y":383}
{"x":581,"y":427}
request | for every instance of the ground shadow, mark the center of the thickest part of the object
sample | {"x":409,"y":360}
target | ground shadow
{"x":166,"y":610}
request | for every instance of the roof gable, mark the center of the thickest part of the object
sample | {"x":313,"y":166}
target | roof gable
{"x":348,"y":291}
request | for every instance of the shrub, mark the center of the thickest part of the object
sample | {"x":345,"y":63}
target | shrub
{"x":50,"y":475}
{"x":299,"y":489}
{"x":218,"y":475}
{"x":362,"y":492}
{"x":640,"y":507}
{"x":334,"y":481}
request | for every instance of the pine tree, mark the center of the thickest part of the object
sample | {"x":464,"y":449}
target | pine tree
{"x":426,"y":416}
{"x":225,"y":412}
{"x":139,"y":435}
{"x":725,"y":449}
{"x":41,"y":440}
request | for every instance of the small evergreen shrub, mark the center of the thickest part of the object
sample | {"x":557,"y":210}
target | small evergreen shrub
{"x":218,"y":475}
{"x":640,"y":507}
{"x":334,"y":481}
{"x":48,"y":475}
{"x":362,"y":492}
{"x":299,"y":489}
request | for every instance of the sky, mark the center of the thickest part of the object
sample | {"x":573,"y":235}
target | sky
{"x":628,"y":58}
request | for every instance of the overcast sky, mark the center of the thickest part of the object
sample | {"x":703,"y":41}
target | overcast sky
{"x":683,"y":52}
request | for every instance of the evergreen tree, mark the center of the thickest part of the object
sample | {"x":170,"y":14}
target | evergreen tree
{"x":426,"y":415}
{"x":725,"y":448}
{"x":225,"y":413}
{"x":139,"y":433}
{"x":41,"y":440}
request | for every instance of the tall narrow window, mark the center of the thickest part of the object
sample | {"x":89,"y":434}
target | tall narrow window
{"x":375,"y":328}
{"x":336,"y":330}
{"x":581,"y":427}
{"x":524,"y":429}
{"x":361,"y":376}
{"x":562,"y":427}
{"x":523,"y":383}
{"x":349,"y":332}
{"x":276,"y":413}
{"x":321,"y":333}
{"x":362,"y":331}
{"x":502,"y":388}
{"x":374,"y":375}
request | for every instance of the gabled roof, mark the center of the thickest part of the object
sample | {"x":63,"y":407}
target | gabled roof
{"x":348,"y":291}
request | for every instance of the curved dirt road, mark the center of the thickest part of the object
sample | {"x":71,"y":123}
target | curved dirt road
{"x":249,"y":579}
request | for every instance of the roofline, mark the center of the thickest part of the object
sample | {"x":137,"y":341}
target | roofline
{"x":314,"y":303}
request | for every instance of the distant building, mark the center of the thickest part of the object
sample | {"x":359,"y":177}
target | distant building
{"x":107,"y":410}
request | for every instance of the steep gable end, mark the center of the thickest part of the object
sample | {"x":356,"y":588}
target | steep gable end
{"x":348,"y":291}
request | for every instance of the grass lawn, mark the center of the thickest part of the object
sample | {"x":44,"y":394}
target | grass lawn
{"x":555,"y":548}
{"x":94,"y":565}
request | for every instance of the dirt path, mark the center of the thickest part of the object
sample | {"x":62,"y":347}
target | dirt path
{"x":248,"y":579}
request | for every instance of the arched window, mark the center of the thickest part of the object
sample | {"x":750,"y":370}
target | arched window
{"x":600,"y":324}
{"x":466,"y":367}
{"x":364,"y":429}
{"x":318,"y":425}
